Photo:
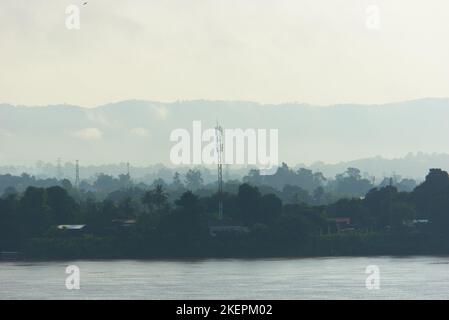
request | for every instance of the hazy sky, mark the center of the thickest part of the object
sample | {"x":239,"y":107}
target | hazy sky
{"x":314,"y":51}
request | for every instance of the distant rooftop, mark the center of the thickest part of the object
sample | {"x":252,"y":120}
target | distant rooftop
{"x":71,"y":226}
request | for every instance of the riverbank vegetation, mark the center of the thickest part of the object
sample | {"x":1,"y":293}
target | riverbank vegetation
{"x":62,"y":221}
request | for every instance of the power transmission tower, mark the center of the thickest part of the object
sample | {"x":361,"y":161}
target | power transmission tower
{"x":77,"y":174}
{"x":220,"y":149}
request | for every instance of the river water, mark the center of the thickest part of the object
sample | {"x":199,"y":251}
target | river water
{"x":424,"y":277}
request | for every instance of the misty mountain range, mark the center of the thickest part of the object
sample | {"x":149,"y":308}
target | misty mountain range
{"x":405,"y":137}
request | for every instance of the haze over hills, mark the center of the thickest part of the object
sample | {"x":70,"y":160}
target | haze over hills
{"x":413,"y":165}
{"x":138,"y":131}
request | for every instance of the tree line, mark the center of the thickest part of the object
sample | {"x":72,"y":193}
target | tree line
{"x":132,"y":221}
{"x":290,"y":185}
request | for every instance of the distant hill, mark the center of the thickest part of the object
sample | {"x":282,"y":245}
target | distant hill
{"x":138,"y":132}
{"x":414,"y":166}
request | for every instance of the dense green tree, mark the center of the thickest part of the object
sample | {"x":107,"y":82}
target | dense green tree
{"x":379,"y":203}
{"x":35,"y":218}
{"x":156,"y":199}
{"x":177,"y":183}
{"x":254,"y":178}
{"x":295,"y":194}
{"x":249,"y":203}
{"x":106,"y":183}
{"x":431,"y":199}
{"x":351,"y":183}
{"x":270,"y":208}
{"x":187,"y":221}
{"x":194,"y":179}
{"x":10,"y":228}
{"x":62,"y":207}
{"x":401,"y":214}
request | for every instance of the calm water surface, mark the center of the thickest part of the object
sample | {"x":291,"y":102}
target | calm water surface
{"x":314,"y":278}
